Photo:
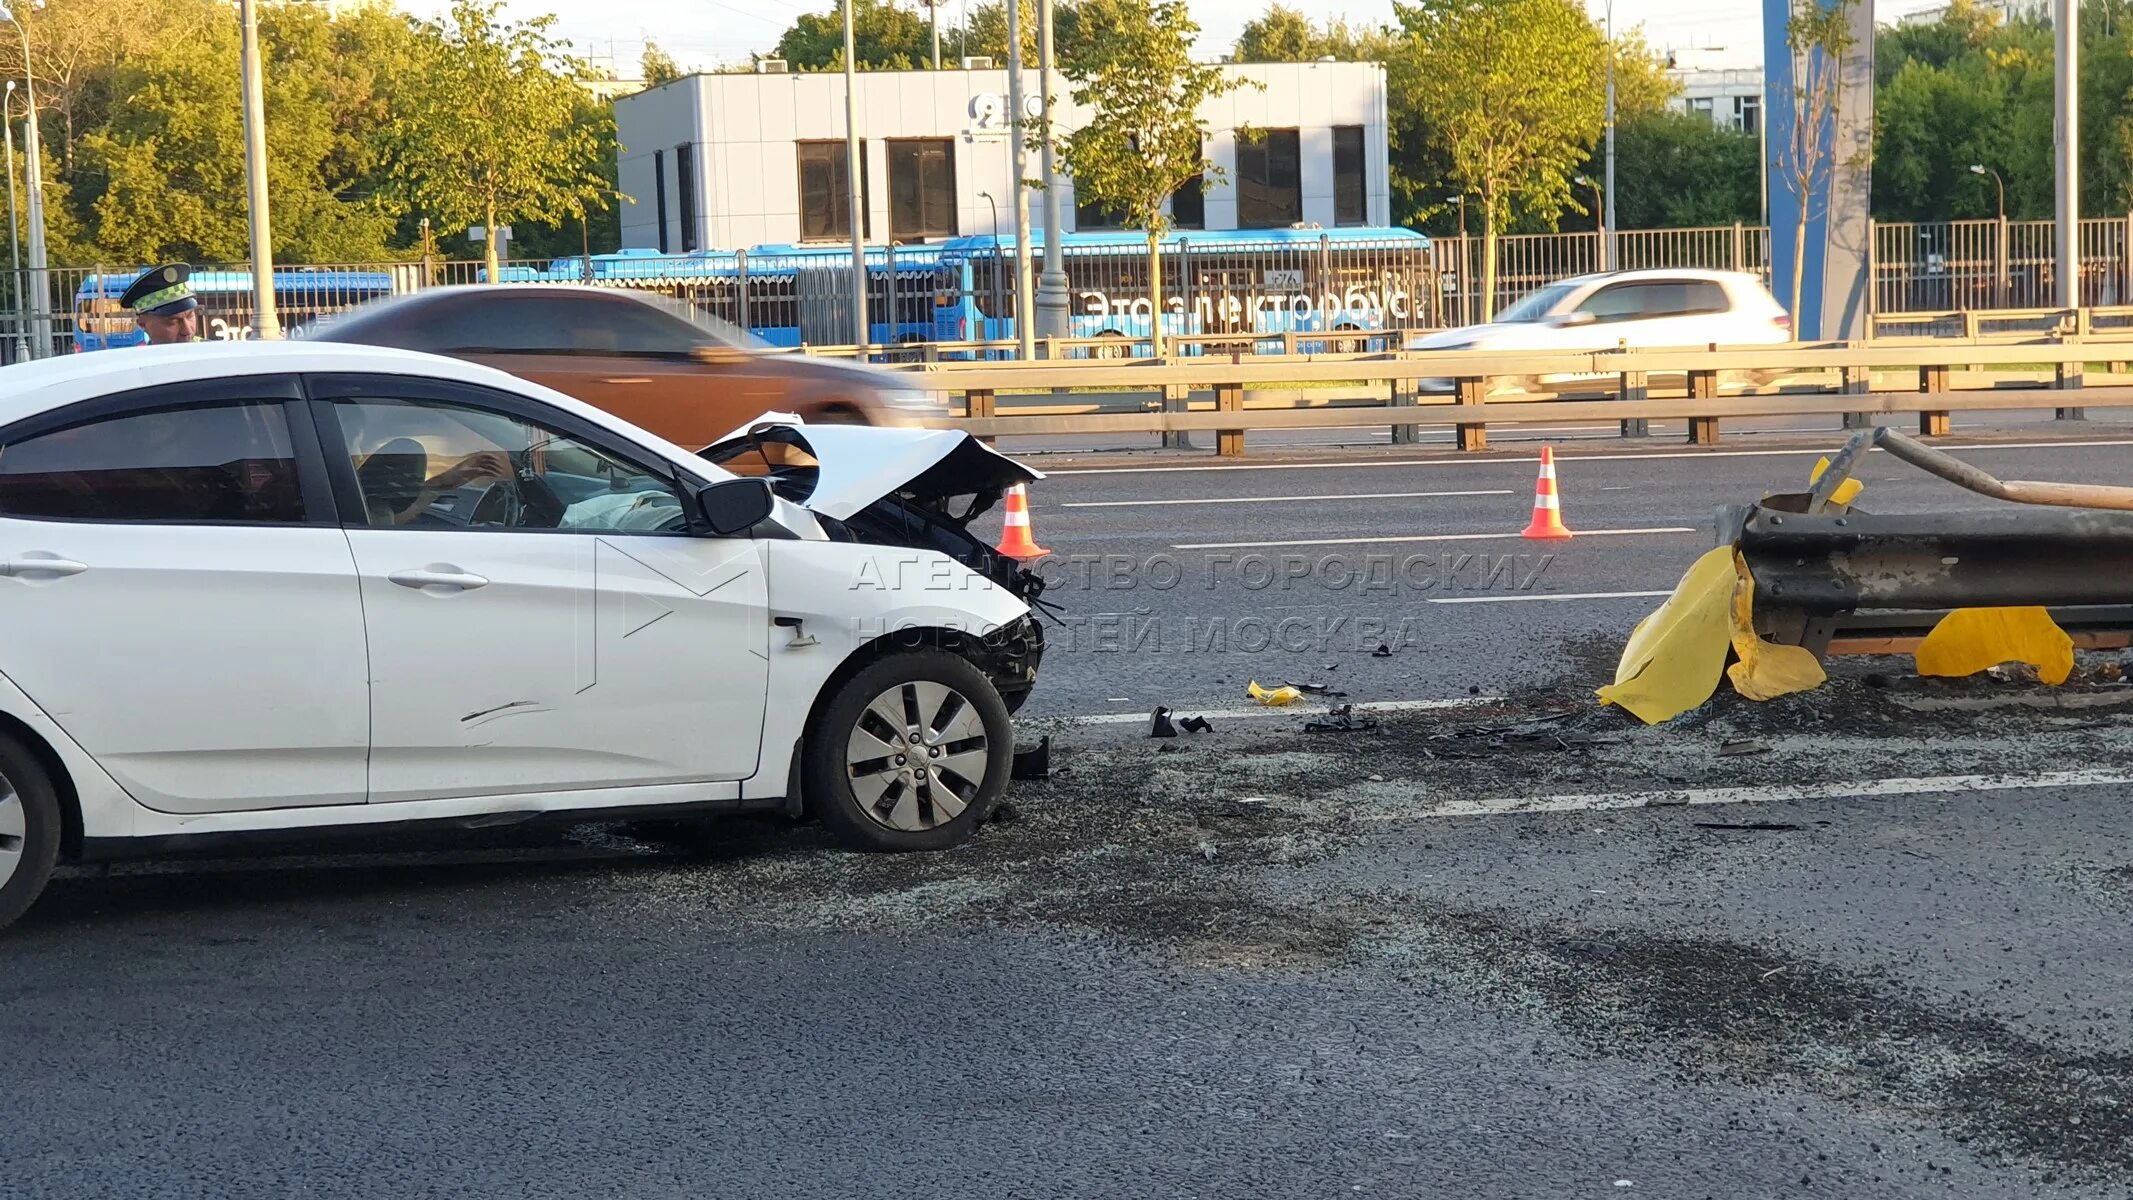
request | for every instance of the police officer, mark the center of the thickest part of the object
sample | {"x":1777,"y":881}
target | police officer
{"x":164,"y":306}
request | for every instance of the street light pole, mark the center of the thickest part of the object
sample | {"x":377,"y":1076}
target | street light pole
{"x":2066,"y":16}
{"x":40,"y":269}
{"x":1982,"y":169}
{"x":1025,"y":303}
{"x":1052,"y":285}
{"x":1465,"y":258}
{"x":1607,"y":213}
{"x":933,"y":11}
{"x":267,"y":322}
{"x":855,"y":199}
{"x":14,"y":239}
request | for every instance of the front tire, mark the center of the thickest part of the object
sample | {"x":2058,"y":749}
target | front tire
{"x":29,"y":830}
{"x":909,"y":754}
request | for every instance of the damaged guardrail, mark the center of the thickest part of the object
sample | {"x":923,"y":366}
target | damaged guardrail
{"x":1801,"y":576}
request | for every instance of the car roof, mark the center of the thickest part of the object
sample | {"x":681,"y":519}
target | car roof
{"x":27,"y":389}
{"x":1703,"y":273}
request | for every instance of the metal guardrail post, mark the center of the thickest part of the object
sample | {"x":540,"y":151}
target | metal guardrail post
{"x":1703,"y":431}
{"x":1857,"y":381}
{"x":1229,"y":398}
{"x":979,"y":402}
{"x":1634,"y":386}
{"x":1933,"y":422}
{"x":1177,"y":398}
{"x":1403,"y":396}
{"x":2068,"y":374}
{"x":1472,"y":392}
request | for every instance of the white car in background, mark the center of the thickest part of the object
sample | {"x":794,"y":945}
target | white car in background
{"x":262,"y":588}
{"x":1633,"y":309}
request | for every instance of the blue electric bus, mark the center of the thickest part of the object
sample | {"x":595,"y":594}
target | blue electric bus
{"x":302,"y":297}
{"x":1247,"y":282}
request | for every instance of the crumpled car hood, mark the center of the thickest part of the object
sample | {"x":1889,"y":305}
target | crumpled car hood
{"x":852,"y":466}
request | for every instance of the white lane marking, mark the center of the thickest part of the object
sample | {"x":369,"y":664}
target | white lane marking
{"x":1544,"y":597}
{"x":1293,"y":710}
{"x":1427,"y":537}
{"x":1584,"y":456}
{"x":1863,"y":789}
{"x":1279,"y":499}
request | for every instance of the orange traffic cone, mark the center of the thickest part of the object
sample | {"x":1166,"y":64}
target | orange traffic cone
{"x":1016,"y":542}
{"x":1547,"y":520}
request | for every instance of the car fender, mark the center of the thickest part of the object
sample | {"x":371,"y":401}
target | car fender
{"x":107,"y":810}
{"x":847,"y":596}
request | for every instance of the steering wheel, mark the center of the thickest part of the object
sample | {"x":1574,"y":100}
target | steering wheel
{"x":499,"y":507}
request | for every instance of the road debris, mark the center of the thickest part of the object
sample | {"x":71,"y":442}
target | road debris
{"x":1742,"y":748}
{"x":1033,"y":762}
{"x":1341,"y":720}
{"x":1196,"y":725}
{"x":1279,"y":697}
{"x":1750,"y":826}
{"x":1383,"y":651}
{"x":1160,"y":726}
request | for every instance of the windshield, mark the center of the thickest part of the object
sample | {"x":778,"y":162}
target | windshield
{"x":1534,"y":305}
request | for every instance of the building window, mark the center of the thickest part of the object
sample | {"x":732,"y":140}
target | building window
{"x":1188,"y":205}
{"x":922,"y":188}
{"x":825,"y":193}
{"x":1750,"y":110}
{"x":1701,"y":105}
{"x":659,"y":189}
{"x":1269,"y":181}
{"x":1350,"y":193}
{"x":685,"y":184}
{"x":1092,"y":214}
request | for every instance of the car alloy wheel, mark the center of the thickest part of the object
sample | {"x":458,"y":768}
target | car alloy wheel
{"x":917,"y":756}
{"x":14,"y":831}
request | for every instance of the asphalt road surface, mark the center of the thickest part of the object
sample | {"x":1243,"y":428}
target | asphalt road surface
{"x":1505,"y":945}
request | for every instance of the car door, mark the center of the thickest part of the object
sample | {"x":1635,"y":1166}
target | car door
{"x":1644,"y":313}
{"x":179,"y":597}
{"x":540,"y":617}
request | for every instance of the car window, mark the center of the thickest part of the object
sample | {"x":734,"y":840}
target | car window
{"x":1534,"y":304}
{"x":431,"y":465}
{"x":1704,"y":296}
{"x":213,"y":464}
{"x":1655,"y":298}
{"x":552,"y":323}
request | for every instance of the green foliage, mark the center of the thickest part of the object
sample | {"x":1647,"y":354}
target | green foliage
{"x":987,"y":32}
{"x":885,"y":38}
{"x":1144,"y":139}
{"x":657,"y":66}
{"x":1492,"y":89}
{"x":495,"y":133}
{"x":1676,"y":169}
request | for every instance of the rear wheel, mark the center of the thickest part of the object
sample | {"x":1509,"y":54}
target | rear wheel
{"x":910,"y":753}
{"x":1114,"y":345}
{"x":838,"y":414}
{"x":29,"y":830}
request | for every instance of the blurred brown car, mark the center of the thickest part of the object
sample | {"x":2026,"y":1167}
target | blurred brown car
{"x":642,"y":357}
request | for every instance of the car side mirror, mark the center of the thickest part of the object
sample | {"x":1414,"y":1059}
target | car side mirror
{"x":733,"y":506}
{"x":1574,"y":320}
{"x":718,"y":355}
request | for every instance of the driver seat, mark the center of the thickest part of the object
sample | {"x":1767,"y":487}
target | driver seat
{"x":391,"y":478}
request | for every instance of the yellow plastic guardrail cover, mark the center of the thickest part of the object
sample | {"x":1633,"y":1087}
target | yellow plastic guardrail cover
{"x":1970,"y":640}
{"x":1675,"y":656}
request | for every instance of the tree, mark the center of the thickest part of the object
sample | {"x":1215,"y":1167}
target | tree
{"x":986,"y":33}
{"x":1145,"y":138}
{"x":657,"y":66}
{"x":1494,"y":94}
{"x":1820,"y":42}
{"x":1281,"y":34}
{"x":1678,"y":169}
{"x":169,"y":165}
{"x":885,"y":37}
{"x":492,"y":134}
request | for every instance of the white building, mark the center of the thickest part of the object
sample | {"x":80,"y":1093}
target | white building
{"x":731,"y":161}
{"x":1731,"y":98}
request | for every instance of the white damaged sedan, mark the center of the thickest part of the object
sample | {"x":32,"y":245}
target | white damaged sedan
{"x":261,"y":588}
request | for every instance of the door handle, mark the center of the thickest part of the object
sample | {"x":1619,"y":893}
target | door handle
{"x":33,"y":564}
{"x":629,"y":379}
{"x":448,"y":578}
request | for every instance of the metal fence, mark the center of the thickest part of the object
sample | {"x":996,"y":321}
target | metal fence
{"x":803,"y":297}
